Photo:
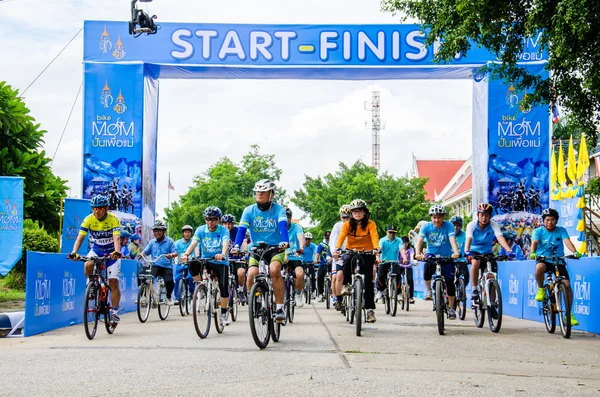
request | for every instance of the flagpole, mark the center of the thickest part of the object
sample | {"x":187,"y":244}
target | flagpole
{"x":168,"y":199}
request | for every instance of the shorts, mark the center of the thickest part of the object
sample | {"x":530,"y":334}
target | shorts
{"x":269,"y":258}
{"x":235,"y":265}
{"x":294,"y":264}
{"x":562,"y":270}
{"x":339,"y":265}
{"x":447,"y":271}
{"x":113,"y":268}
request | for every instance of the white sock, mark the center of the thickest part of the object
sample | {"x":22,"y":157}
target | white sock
{"x":279,"y":306}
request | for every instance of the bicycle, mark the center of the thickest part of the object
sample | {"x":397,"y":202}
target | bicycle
{"x":356,"y":312}
{"x":147,"y":296}
{"x":243,"y":298}
{"x":307,"y":290}
{"x":460,"y":303}
{"x":440,"y":298}
{"x":490,"y":296}
{"x":327,"y":288}
{"x":97,"y":304}
{"x":289,"y":302}
{"x":556,"y":298}
{"x":206,"y":300}
{"x":404,"y":287}
{"x":185,"y":297}
{"x":390,"y":294}
{"x":262,"y":307}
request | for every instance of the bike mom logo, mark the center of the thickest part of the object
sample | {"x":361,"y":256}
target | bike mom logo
{"x":512,"y":134}
{"x":582,"y":294}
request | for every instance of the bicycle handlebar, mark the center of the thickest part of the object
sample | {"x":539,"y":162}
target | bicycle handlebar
{"x":437,"y":258}
{"x":105,"y":258}
{"x":490,"y":257}
{"x":145,"y":258}
{"x":357,"y":252}
{"x":555,"y":259}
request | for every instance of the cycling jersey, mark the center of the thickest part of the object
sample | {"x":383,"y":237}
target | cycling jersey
{"x":233,"y":233}
{"x":438,"y":239}
{"x":483,"y":240}
{"x":182,"y":246}
{"x":293,"y":233}
{"x":335,"y":233}
{"x":461,"y":239}
{"x":211,"y":243}
{"x":309,"y":253}
{"x":366,"y":239}
{"x":156,"y":249}
{"x":550,"y":243}
{"x":101,"y":232}
{"x":268,"y":226}
{"x":390,"y":248}
{"x":323,"y":252}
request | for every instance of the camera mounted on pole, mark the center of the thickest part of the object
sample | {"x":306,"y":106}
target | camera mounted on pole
{"x":141,"y":22}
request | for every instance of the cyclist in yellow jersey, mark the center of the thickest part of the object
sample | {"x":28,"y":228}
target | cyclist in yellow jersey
{"x":104,"y":230}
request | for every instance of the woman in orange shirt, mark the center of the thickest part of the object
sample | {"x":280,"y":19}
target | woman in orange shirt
{"x":362,"y":235}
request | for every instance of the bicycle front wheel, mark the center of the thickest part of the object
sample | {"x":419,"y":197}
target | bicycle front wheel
{"x":289,"y":302}
{"x":144,"y":301}
{"x":393,"y":297}
{"x":327,"y":293}
{"x":406,"y":296}
{"x":358,"y":294}
{"x":106,"y":306}
{"x":494,"y":307}
{"x":461,"y":300}
{"x":564,"y":311}
{"x":181,"y":288}
{"x":234,"y":303}
{"x":258,"y":314}
{"x":478,"y":312}
{"x":439,"y":306}
{"x":91,"y":311}
{"x":217,"y":310}
{"x":201,"y":311}
{"x":548,"y":310}
{"x":163,"y":306}
{"x":275,"y":326}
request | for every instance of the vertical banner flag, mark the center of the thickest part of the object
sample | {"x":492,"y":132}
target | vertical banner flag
{"x":518,"y":159}
{"x":75,"y":211}
{"x":112,"y":144}
{"x":11,"y":222}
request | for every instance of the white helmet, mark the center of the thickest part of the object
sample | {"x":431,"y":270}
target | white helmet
{"x":264,"y":185}
{"x":437,"y":209}
{"x":308,"y":235}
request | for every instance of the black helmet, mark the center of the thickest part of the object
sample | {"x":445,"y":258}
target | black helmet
{"x":159,"y":225}
{"x":288,"y":212}
{"x":550,"y":212}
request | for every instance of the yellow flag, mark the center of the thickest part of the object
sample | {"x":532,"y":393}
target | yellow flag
{"x":552,"y":170}
{"x":571,"y":164}
{"x":584,"y":158}
{"x":562,"y":178}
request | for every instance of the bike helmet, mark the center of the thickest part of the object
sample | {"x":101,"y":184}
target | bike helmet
{"x":136,"y":237}
{"x":159,"y":225}
{"x":288,"y":212}
{"x":456,"y":219}
{"x":509,"y":235}
{"x":187,"y":227}
{"x":485,"y":207}
{"x":550,"y":212}
{"x":437,"y":209}
{"x":264,"y":185}
{"x":213,"y":212}
{"x":99,"y":201}
{"x":345,"y":211}
{"x":357,"y":204}
{"x":228,"y":218}
{"x":308,"y":236}
{"x":124,"y":234}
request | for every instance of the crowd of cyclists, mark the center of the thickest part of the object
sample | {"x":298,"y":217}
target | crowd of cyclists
{"x":220,"y":241}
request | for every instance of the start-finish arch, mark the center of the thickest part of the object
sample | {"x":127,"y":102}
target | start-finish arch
{"x":510,"y":143}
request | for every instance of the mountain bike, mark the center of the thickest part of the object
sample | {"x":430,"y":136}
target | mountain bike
{"x":356,"y":312}
{"x":460,"y":303}
{"x":390,"y":294}
{"x":490,"y":296}
{"x":327,"y":288}
{"x":440,"y":298}
{"x":404,"y":287}
{"x":148,"y":296}
{"x":185,"y":295}
{"x":289,"y":302}
{"x":556,"y":298}
{"x":307,"y":290}
{"x":262,"y":307}
{"x":206,"y":300}
{"x":97,"y":304}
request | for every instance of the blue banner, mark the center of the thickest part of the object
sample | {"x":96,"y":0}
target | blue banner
{"x":511,"y":285}
{"x":55,"y":291}
{"x":11,"y":222}
{"x":75,"y":211}
{"x":567,"y":209}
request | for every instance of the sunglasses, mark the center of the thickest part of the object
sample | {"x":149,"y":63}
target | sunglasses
{"x":211,"y":219}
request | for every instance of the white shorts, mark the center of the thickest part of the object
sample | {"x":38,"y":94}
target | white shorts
{"x":113,"y":267}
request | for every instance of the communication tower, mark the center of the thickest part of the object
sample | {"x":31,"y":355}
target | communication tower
{"x":376,"y":127}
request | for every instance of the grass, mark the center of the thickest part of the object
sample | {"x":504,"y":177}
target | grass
{"x":9,"y":294}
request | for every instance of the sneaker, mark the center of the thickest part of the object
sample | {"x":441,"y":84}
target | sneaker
{"x":475,"y":295}
{"x":574,"y":322}
{"x":321,"y":298}
{"x":428,"y":295}
{"x":176,"y":302}
{"x":299,"y":301}
{"x":114,"y":317}
{"x":243,"y":297}
{"x":280,"y":316}
{"x":378,"y":296}
{"x":338,"y":306}
{"x":541,"y":294}
{"x":346,"y":289}
{"x":169,"y":301}
{"x":334,"y":299}
{"x":371,"y":316}
{"x":225,"y":318}
{"x":451,"y":314}
{"x":412,"y":301}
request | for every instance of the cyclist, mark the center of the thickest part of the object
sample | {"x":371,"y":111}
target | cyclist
{"x":337,"y":277}
{"x":407,"y":255}
{"x":182,"y":245}
{"x":267,"y":222}
{"x":163,"y":267}
{"x":362,"y":235}
{"x":461,"y":239}
{"x":214,"y":242}
{"x":322,"y":261}
{"x":308,"y":256}
{"x":104,"y":229}
{"x":124,"y":240}
{"x":510,"y":237}
{"x":548,"y":240}
{"x":239,"y":269}
{"x":439,"y":235}
{"x":135,"y":247}
{"x":481,"y":233}
{"x":390,"y":248}
{"x":295,"y":254}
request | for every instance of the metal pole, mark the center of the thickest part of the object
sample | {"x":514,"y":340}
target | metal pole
{"x":60,"y":222}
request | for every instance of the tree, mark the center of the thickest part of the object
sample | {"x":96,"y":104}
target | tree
{"x":400,"y":201}
{"x":226,"y":185}
{"x":20,"y":142}
{"x":568,"y":30}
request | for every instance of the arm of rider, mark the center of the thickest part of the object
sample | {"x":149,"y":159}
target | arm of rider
{"x":571,"y":247}
{"x":221,"y":256}
{"x":73,"y":255}
{"x":534,"y":245}
{"x":404,"y":256}
{"x":504,"y":244}
{"x":468,"y":242}
{"x":341,"y":238}
{"x":117,"y":242}
{"x":456,"y":253}
{"x":419,"y":255}
{"x":189,"y":250}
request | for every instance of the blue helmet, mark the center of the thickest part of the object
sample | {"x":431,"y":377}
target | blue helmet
{"x":213,"y":212}
{"x":99,"y":201}
{"x":136,"y":237}
{"x":456,"y":219}
{"x":228,"y":218}
{"x":124,"y":234}
{"x":509,"y":235}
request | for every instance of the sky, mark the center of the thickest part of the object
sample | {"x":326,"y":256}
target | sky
{"x":309,"y":125}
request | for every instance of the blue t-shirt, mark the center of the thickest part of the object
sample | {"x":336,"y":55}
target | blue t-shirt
{"x":155,"y":249}
{"x":482,"y":241}
{"x":390,"y":249}
{"x":211,"y":243}
{"x":461,"y":239}
{"x":309,"y":253}
{"x":264,"y":225}
{"x":293,"y":232}
{"x":438,"y":239}
{"x":182,"y":246}
{"x":550,"y":243}
{"x":323,"y":251}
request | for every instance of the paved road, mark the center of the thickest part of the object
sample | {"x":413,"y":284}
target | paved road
{"x":318,"y":355}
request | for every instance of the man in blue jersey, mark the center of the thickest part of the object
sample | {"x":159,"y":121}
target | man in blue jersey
{"x":461,"y":238}
{"x":267,"y":222}
{"x":308,"y":257}
{"x":163,"y":267}
{"x":390,"y":248}
{"x":182,"y":245}
{"x":214,"y":243}
{"x":294,"y":254}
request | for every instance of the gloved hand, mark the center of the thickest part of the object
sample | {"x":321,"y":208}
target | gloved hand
{"x":577,"y":254}
{"x":235,"y":249}
{"x":511,"y":255}
{"x":73,"y":256}
{"x":116,"y":255}
{"x":283,"y":245}
{"x":533,"y":255}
